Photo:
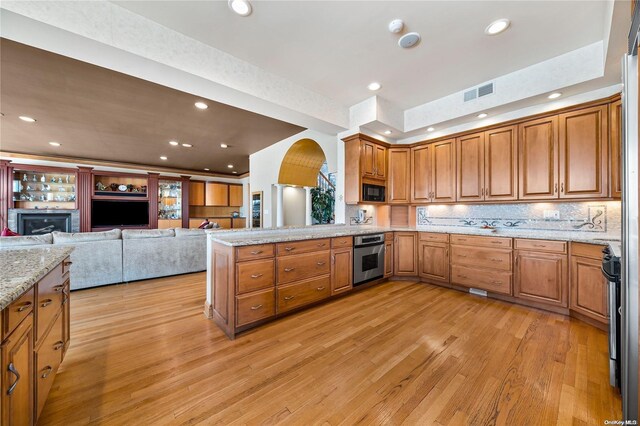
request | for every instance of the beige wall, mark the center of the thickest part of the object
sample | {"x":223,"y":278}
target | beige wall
{"x":293,"y":206}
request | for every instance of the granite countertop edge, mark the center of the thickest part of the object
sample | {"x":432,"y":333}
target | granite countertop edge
{"x":267,"y":236}
{"x":15,"y":282}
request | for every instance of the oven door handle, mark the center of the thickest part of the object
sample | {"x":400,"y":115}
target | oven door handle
{"x":613,"y":325}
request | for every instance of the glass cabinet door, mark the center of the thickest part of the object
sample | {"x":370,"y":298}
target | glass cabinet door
{"x":169,"y":200}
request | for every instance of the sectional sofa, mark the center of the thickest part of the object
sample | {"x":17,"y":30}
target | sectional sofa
{"x":116,"y":256}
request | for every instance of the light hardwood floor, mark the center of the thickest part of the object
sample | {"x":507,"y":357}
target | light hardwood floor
{"x":400,"y":352}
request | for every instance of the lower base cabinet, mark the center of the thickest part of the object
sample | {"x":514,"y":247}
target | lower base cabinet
{"x":341,"y":270}
{"x":388,"y":254}
{"x":589,"y":289}
{"x":433,"y":259}
{"x":542,"y":277}
{"x":405,"y":257}
{"x":17,"y":376}
{"x":292,"y":296}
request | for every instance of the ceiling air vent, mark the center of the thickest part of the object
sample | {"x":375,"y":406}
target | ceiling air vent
{"x":485,"y":90}
{"x":470,"y":95}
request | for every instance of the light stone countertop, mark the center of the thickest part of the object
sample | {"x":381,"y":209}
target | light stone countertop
{"x":266,"y":236}
{"x":22,"y":268}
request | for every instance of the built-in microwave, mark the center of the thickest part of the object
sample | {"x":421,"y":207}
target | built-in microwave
{"x":373,"y":193}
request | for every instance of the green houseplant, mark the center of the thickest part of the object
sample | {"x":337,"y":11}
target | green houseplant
{"x":322,"y":204}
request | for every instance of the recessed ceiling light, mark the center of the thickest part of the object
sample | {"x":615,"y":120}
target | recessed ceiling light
{"x":482,"y":115}
{"x":234,"y":171}
{"x":224,"y":145}
{"x":206,"y":170}
{"x":162,"y":157}
{"x":430,"y":129}
{"x":174,"y":143}
{"x":187,"y":145}
{"x":27,"y":119}
{"x":496,"y":27}
{"x":387,"y":132}
{"x":230,"y":166}
{"x":374,"y":86}
{"x":54,"y":143}
{"x":241,"y":7}
{"x":554,"y":95}
{"x":201,"y":105}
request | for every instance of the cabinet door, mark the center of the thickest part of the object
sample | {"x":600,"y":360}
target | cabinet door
{"x":18,"y":376}
{"x":341,"y":270}
{"x":588,"y":288}
{"x":235,"y":196}
{"x":470,"y":153}
{"x":368,"y":159}
{"x":66,"y":316}
{"x":217,"y":194}
{"x":538,"y":154}
{"x":443,"y":167}
{"x":584,"y":153}
{"x":615,"y":129}
{"x":381,"y":161}
{"x":542,"y":277}
{"x":399,"y":185}
{"x":196,"y":193}
{"x":434,"y":261}
{"x":501,"y":164}
{"x":405,"y":259}
{"x":388,"y":258}
{"x":421,"y":174}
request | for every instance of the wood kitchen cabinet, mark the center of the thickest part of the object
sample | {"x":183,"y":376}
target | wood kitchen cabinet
{"x":388,"y":254}
{"x":235,"y":196}
{"x":217,"y":194}
{"x":501,"y":164}
{"x":584,"y":153}
{"x":18,"y":375}
{"x":365,"y":162}
{"x":615,"y":140}
{"x":589,"y":289}
{"x":196,"y":193}
{"x":538,"y":159}
{"x":470,"y":160}
{"x":399,"y":184}
{"x":374,"y":160}
{"x":433,"y":172}
{"x":341,"y":270}
{"x":405,"y":256}
{"x":541,"y":273}
{"x":433,"y":257}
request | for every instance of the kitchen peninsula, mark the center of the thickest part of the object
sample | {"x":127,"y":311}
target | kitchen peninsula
{"x":35,"y":324}
{"x":256,"y":276}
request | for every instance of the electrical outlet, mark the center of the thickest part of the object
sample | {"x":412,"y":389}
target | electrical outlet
{"x":552,"y":214}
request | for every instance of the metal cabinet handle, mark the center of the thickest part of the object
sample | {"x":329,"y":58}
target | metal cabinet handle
{"x":539,"y":245}
{"x":320,"y":263}
{"x":463,"y":276}
{"x":289,"y":248}
{"x":462,"y":255}
{"x":333,"y":259}
{"x":555,"y":188}
{"x":289,"y":297}
{"x":12,"y":370}
{"x":496,"y":282}
{"x":47,"y":370}
{"x":256,"y":275}
{"x":67,"y":263}
{"x":58,"y":345}
{"x":562,"y":187}
{"x":58,"y":288}
{"x":46,"y":303}
{"x":255,"y":308}
{"x":322,"y":244}
{"x":256,"y":252}
{"x":482,"y":192}
{"x":24,"y":306}
{"x":496,"y":260}
{"x":320,"y":288}
{"x":496,"y":242}
{"x":289,"y":269}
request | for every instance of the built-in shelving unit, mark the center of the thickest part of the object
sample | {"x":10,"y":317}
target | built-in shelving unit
{"x":118,"y":186}
{"x":33,"y":189}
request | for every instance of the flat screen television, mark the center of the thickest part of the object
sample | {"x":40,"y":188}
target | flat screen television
{"x":119,"y":213}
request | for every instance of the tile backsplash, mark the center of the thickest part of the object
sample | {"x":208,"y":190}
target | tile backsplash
{"x":351,"y":214}
{"x":600,"y":216}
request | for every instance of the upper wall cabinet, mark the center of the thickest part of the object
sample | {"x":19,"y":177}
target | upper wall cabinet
{"x":433,"y":172}
{"x":615,"y":148}
{"x":196,"y":193}
{"x":538,"y":151}
{"x":470,"y":158}
{"x":365,"y":161}
{"x":217,"y":194}
{"x":373,"y":160}
{"x":399,"y":175}
{"x":235,"y":196}
{"x":584,"y":153}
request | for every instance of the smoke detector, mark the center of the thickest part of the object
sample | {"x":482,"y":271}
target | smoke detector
{"x":396,"y":26}
{"x":409,"y":40}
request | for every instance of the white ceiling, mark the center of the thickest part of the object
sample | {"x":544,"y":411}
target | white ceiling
{"x":337,"y":48}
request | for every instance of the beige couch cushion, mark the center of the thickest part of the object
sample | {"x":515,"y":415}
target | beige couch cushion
{"x":184,"y":232}
{"x":26,"y":240}
{"x":136,"y":234}
{"x":84,"y":237}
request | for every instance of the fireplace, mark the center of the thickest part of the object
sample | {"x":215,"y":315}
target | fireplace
{"x":43,"y":223}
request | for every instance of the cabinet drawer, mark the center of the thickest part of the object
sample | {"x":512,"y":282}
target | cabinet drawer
{"x":300,"y":267}
{"x":433,"y":237}
{"x":591,"y":251}
{"x":475,"y":240}
{"x":66,"y":265}
{"x":541,"y":245}
{"x":297,"y":247}
{"x":48,"y":357}
{"x":255,"y":306}
{"x":255,"y":275}
{"x":300,"y":294}
{"x":481,"y":257}
{"x":18,"y":310}
{"x":493,"y":281}
{"x":340,"y":242}
{"x":48,"y":300}
{"x":260,"y":251}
